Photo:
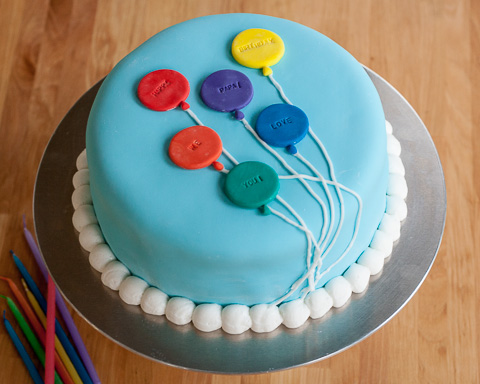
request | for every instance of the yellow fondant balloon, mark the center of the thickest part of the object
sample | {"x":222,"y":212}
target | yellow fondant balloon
{"x":258,"y":48}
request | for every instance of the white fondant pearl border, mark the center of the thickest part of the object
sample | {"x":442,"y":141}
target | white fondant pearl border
{"x":235,"y":318}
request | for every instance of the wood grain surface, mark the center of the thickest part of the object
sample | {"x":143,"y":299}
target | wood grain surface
{"x":52,"y":51}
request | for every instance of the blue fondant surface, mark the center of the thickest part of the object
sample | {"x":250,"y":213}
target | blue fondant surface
{"x":174,"y":227}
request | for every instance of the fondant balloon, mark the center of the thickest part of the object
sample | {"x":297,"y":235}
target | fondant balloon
{"x":282,"y":125}
{"x":227,"y":91}
{"x":196,"y":147}
{"x":252,"y":184}
{"x":258,"y":48}
{"x":163,"y":90}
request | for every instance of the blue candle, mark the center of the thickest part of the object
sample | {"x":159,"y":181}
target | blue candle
{"x":67,"y":345}
{"x":37,"y":379}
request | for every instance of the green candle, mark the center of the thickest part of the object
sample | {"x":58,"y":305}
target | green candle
{"x":27,"y":331}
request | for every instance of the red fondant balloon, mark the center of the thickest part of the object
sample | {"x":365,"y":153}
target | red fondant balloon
{"x":195,"y":147}
{"x":163,"y":90}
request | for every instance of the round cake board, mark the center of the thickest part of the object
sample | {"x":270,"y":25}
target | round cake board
{"x":183,"y":346}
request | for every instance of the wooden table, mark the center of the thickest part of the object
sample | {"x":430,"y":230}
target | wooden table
{"x":51,"y":52}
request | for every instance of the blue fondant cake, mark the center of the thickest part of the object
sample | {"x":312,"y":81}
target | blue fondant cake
{"x":177,"y":230}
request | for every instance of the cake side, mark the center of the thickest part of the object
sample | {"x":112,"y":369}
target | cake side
{"x":236,"y":318}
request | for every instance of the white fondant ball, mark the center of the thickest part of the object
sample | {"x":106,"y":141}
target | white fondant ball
{"x":81,"y":177}
{"x":82,"y":160}
{"x":90,"y":236}
{"x":100,"y":256}
{"x":207,"y":317}
{"x":319,"y":302}
{"x":358,"y":276}
{"x":154,"y":301}
{"x":372,"y":259}
{"x":81,"y":196}
{"x":294,"y":313}
{"x":113,"y":274}
{"x":83,"y":215}
{"x":382,"y":242}
{"x":265,"y":317}
{"x":179,"y":310}
{"x":391,"y":225}
{"x":236,"y":319}
{"x":340,"y":290}
{"x":131,"y":290}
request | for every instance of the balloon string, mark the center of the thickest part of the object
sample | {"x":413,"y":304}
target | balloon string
{"x":193,"y":116}
{"x":293,"y":172}
{"x":350,"y":245}
{"x":330,"y":167}
{"x":318,"y":260}
{"x":332,"y":176}
{"x":315,"y":178}
{"x":316,"y":197}
{"x":308,"y":233}
{"x":230,"y":157}
{"x":357,"y":220}
{"x":330,"y":201}
{"x":199,"y":122}
{"x":279,"y":89}
{"x":299,"y":282}
{"x":310,"y":238}
{"x":327,"y":192}
{"x":302,"y":226}
{"x":340,"y":198}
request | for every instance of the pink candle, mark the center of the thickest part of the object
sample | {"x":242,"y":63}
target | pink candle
{"x":50,"y":337}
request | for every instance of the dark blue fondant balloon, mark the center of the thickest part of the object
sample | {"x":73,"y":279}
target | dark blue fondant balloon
{"x":282,"y":125}
{"x":227,"y":91}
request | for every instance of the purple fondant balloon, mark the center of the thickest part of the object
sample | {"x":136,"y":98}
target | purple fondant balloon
{"x":227,"y":91}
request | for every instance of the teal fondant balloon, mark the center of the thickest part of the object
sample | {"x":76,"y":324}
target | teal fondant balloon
{"x":252,"y":184}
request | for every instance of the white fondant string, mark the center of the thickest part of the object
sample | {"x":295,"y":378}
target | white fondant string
{"x":293,"y":172}
{"x":350,"y":245}
{"x":279,"y":89}
{"x":337,"y":189}
{"x":340,"y":197}
{"x":330,"y":167}
{"x":193,"y":116}
{"x":327,"y":193}
{"x":309,"y":234}
{"x":341,"y":186}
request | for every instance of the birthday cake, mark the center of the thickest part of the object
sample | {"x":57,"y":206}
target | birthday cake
{"x":239,"y":174}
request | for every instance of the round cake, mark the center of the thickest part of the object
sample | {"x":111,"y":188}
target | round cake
{"x":299,"y":174}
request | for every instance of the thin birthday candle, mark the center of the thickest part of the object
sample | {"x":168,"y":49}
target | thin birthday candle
{"x":63,"y":346}
{"x":37,"y":327}
{"x":62,"y":307}
{"x":50,"y":336}
{"x":58,"y":345}
{"x":29,"y":334}
{"x":37,"y":379}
